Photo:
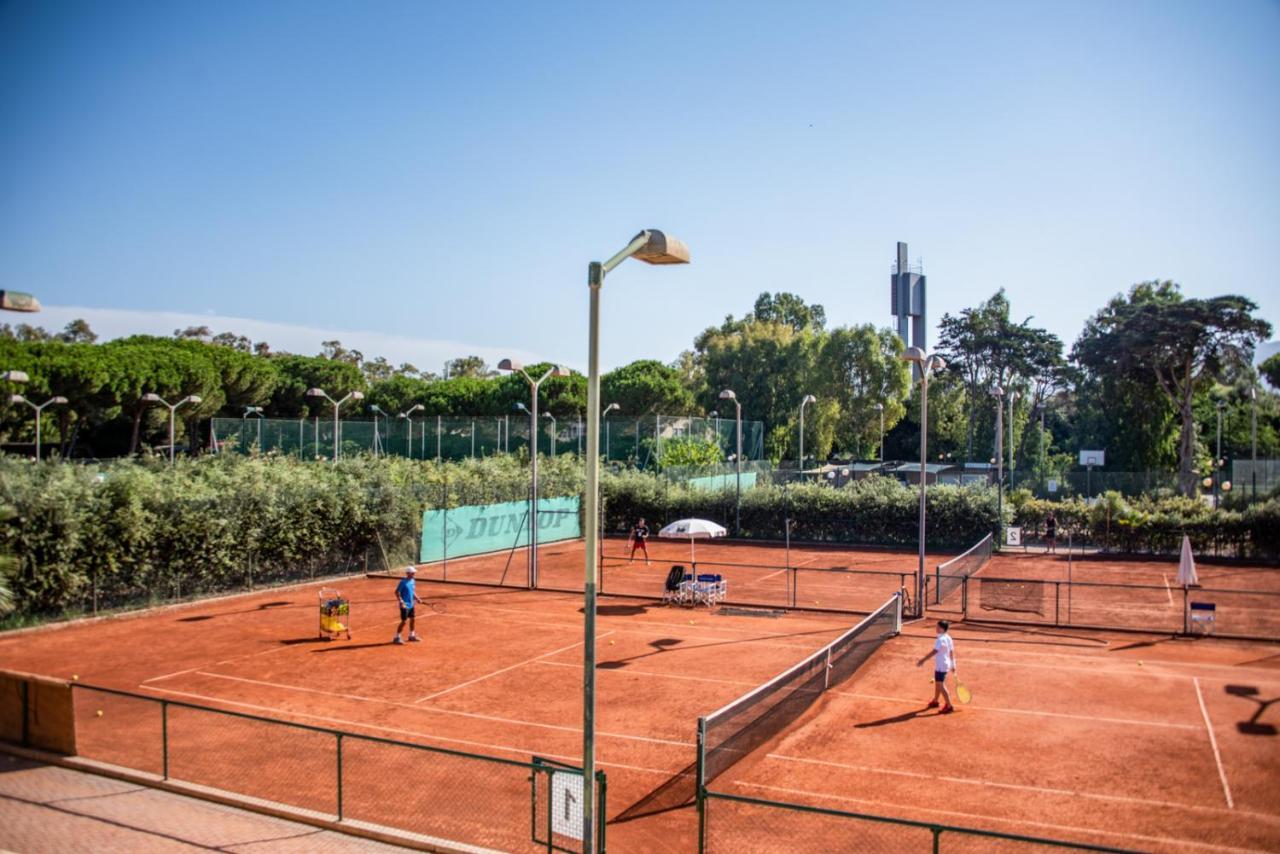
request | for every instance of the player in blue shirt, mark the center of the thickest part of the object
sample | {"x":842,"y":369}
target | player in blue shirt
{"x":407,"y":597}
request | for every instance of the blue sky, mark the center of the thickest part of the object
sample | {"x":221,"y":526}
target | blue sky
{"x":429,"y":179}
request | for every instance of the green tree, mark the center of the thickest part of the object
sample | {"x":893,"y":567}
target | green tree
{"x":470,"y":366}
{"x":77,"y":332}
{"x":1176,"y":344}
{"x":1270,"y":370}
{"x":789,"y":309}
{"x":646,"y":387}
{"x":298,"y":373}
{"x":856,"y":368}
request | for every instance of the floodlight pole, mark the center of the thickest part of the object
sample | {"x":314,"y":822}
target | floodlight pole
{"x":407,"y":415}
{"x":729,"y":394}
{"x":255,"y":410}
{"x":808,"y":398}
{"x":1217,"y":459}
{"x":554,"y":432}
{"x":534,"y":385}
{"x":927,"y":364}
{"x":998,"y":393}
{"x":604,"y":417}
{"x":353,"y":395}
{"x":173,"y":408}
{"x":880,"y":409}
{"x":653,"y":247}
{"x":1253,"y":442}
{"x":1013,"y":395}
{"x":53,"y":401}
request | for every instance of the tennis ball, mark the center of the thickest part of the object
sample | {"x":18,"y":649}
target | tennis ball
{"x":75,"y":677}
{"x":99,"y":712}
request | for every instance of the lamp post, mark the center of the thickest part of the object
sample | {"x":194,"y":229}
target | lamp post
{"x":1013,"y":395}
{"x":652,"y":247}
{"x":407,"y":415}
{"x":255,"y":410}
{"x":554,"y":432}
{"x":1217,"y":459}
{"x":173,"y":407}
{"x":880,"y":409}
{"x":337,"y":404}
{"x":53,"y":401}
{"x":1253,"y":442}
{"x":926,"y":364}
{"x":553,"y":371}
{"x":998,"y":393}
{"x":808,"y":398}
{"x":728,"y":394}
{"x":377,"y":438}
{"x":603,"y":417}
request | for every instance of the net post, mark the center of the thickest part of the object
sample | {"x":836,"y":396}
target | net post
{"x":1186,"y":611}
{"x":700,"y":793}
{"x":1057,"y":600}
{"x":339,"y":736}
{"x":164,"y":737}
{"x":602,"y":783}
{"x":964,"y":598}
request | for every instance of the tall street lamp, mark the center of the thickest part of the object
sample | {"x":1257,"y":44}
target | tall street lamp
{"x":254,"y":410}
{"x":1217,"y":460}
{"x":1014,"y":394}
{"x":53,"y":401}
{"x":926,"y":364}
{"x":880,"y":409}
{"x":407,"y":415}
{"x":728,"y":394}
{"x":554,"y":432}
{"x":172,"y":407}
{"x":652,"y":247}
{"x":603,"y":417}
{"x":808,"y":398}
{"x":337,"y":404}
{"x":1253,"y":441}
{"x":998,"y":393}
{"x":554,"y":371}
{"x":377,"y":437}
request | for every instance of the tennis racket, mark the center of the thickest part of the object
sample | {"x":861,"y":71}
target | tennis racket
{"x":963,"y":694}
{"x":438,"y":607}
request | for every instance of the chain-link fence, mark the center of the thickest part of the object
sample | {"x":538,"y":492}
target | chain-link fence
{"x":448,"y":795}
{"x":631,"y":441}
{"x":1254,"y":480}
{"x":1087,"y":484}
{"x":734,"y":823}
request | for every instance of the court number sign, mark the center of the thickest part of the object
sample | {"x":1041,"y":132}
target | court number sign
{"x":1012,"y":536}
{"x":566,"y":805}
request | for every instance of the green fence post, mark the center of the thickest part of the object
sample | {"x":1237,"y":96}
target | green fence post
{"x":937,"y":832}
{"x":339,"y":735}
{"x":164,"y":737}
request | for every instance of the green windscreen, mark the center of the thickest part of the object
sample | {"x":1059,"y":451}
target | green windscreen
{"x":483,"y":528}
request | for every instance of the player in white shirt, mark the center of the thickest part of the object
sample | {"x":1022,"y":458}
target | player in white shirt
{"x":944,"y":661}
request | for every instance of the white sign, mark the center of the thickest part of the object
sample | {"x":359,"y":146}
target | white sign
{"x":1093,"y":458}
{"x":1012,"y":536}
{"x":566,"y":805}
{"x":1053,"y":484}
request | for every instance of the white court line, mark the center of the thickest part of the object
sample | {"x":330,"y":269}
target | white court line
{"x":343,"y":722}
{"x":505,"y":669}
{"x":904,"y":700}
{"x":1046,"y":790}
{"x":1213,"y":742}
{"x":1104,"y":671}
{"x":1167,"y":591}
{"x":440,"y":711}
{"x":897,"y":805}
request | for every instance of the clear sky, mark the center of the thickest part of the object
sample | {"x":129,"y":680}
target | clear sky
{"x":441,"y":173}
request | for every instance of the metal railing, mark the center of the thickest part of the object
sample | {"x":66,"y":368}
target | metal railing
{"x":339,"y":775}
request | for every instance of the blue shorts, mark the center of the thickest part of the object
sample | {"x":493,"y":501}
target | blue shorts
{"x":939,"y":676}
{"x":406,"y":613}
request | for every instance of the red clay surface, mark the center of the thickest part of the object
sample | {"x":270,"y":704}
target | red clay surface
{"x":1068,"y":736}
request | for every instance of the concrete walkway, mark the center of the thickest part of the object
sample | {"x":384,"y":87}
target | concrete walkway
{"x":47,"y":808}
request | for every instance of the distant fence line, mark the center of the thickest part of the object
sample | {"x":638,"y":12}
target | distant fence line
{"x":638,"y":441}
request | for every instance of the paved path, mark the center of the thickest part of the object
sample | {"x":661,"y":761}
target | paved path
{"x":47,"y":808}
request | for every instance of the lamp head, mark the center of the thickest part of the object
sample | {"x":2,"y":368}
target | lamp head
{"x":728,"y":394}
{"x":1221,"y":404}
{"x":17,"y":398}
{"x":560,"y":371}
{"x":879,"y":407}
{"x":18,"y":301}
{"x":714,"y":414}
{"x":611,"y":408}
{"x":195,"y":398}
{"x":660,"y":248}
{"x":520,"y":407}
{"x":548,"y":415}
{"x":15,"y":376}
{"x":59,"y":400}
{"x":152,"y":397}
{"x":935,"y":362}
{"x":510,"y":365}
{"x":808,"y":398}
{"x":357,"y":395}
{"x":997,"y":391}
{"x":912,"y":354}
{"x":315,"y":392}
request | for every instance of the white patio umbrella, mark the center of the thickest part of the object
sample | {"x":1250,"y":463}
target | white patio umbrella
{"x":1187,"y":565}
{"x":692,"y":530}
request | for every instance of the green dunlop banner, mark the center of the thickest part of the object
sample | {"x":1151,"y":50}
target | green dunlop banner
{"x":482,"y":528}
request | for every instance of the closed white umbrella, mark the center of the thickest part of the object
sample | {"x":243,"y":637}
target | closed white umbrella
{"x":692,"y":530}
{"x":1187,"y":565}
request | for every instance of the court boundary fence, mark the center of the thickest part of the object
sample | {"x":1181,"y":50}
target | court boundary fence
{"x":937,"y":832}
{"x":541,"y":773}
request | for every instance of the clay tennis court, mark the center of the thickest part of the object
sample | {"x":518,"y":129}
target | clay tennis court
{"x":1132,"y":741}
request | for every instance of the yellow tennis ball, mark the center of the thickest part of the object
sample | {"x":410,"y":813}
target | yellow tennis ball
{"x":75,"y":677}
{"x":99,"y":712}
{"x":1139,"y":663}
{"x":611,"y":643}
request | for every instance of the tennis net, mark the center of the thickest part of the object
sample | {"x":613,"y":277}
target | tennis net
{"x":950,"y":575}
{"x":729,"y":734}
